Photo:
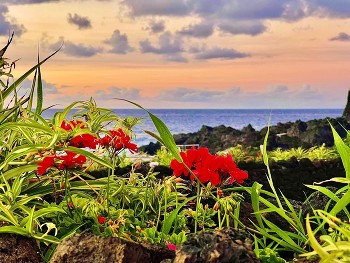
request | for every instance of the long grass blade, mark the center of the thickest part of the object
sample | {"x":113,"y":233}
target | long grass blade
{"x":11,"y":88}
{"x":39,"y":90}
{"x":164,"y":133}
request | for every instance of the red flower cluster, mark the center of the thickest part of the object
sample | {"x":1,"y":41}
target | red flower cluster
{"x":84,"y":140}
{"x":68,"y":126}
{"x":118,"y":140}
{"x":68,"y":161}
{"x":207,"y":167}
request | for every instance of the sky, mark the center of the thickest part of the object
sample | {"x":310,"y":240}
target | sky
{"x":231,"y":54}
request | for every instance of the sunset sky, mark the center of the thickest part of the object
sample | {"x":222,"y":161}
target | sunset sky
{"x":185,"y":53}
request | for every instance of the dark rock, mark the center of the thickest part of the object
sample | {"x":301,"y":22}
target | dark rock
{"x":90,"y":248}
{"x":305,"y":163}
{"x":18,"y":249}
{"x":151,"y":148}
{"x":283,"y":135}
{"x":248,"y":129}
{"x":226,"y":245}
{"x":346,"y":113}
{"x":296,"y":129}
{"x":291,"y":175}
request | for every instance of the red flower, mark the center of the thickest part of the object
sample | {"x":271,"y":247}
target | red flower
{"x":170,"y":246}
{"x":118,"y":140}
{"x":207,"y":167}
{"x":70,"y":160}
{"x":45,"y":163}
{"x":101,"y":220}
{"x":84,"y":140}
{"x":70,"y":204}
{"x":68,"y":126}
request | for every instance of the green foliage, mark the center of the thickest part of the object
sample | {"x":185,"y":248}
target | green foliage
{"x":293,"y":239}
{"x":240,"y":153}
{"x":314,"y":153}
{"x":269,"y":255}
{"x":163,"y":157}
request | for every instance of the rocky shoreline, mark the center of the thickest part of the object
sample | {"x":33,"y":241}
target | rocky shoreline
{"x":283,"y":135}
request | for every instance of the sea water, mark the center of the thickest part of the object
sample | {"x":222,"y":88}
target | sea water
{"x":191,"y":120}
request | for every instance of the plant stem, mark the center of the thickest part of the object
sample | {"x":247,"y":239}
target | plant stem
{"x":197,"y":203}
{"x":110,"y":173}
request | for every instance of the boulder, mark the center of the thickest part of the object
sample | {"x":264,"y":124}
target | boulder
{"x":87,"y":247}
{"x":220,"y":246}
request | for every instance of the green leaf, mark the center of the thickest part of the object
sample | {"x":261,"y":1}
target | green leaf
{"x":39,"y":90}
{"x":282,"y":233}
{"x":15,"y":125}
{"x":169,"y":220}
{"x":42,"y":212}
{"x":30,"y":222}
{"x":155,"y":136}
{"x":255,"y":192}
{"x":14,"y":172}
{"x":341,"y":204}
{"x":22,"y":201}
{"x":11,"y":88}
{"x":10,"y":217}
{"x":19,"y":152}
{"x":313,"y":242}
{"x":31,"y":94}
{"x":264,"y":147}
{"x":46,"y":238}
{"x":14,"y":230}
{"x":17,"y":187}
{"x":7,"y":113}
{"x":343,"y":150}
{"x":45,"y":188}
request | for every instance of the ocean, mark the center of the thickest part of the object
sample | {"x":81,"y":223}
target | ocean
{"x":191,"y":120}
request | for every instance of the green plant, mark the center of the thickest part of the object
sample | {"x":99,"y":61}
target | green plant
{"x":321,"y":153}
{"x":280,"y":154}
{"x":240,"y":153}
{"x":163,"y":157}
{"x":299,"y":153}
{"x":293,"y":239}
{"x":335,"y":246}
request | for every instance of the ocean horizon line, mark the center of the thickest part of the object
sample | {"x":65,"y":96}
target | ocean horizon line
{"x":150,"y":109}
